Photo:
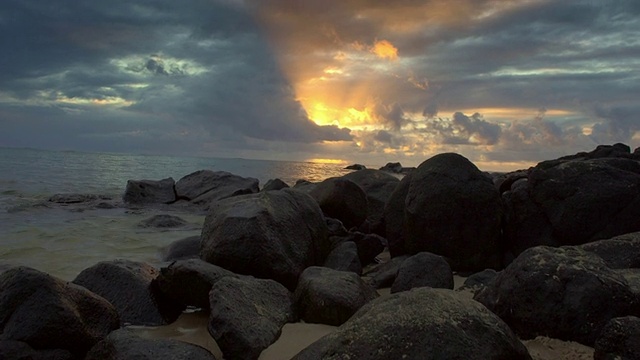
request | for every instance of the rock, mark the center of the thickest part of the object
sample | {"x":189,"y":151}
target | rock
{"x":564,"y":293}
{"x":335,"y":227}
{"x":423,"y":269}
{"x":75,"y":198}
{"x":369,"y":245}
{"x":620,"y":252}
{"x":18,"y":350}
{"x":525,"y":224}
{"x":452,"y":209}
{"x":331,"y":297}
{"x":273,"y":235}
{"x":204,"y":187}
{"x":48,"y":313}
{"x":481,"y":279}
{"x":188,"y":282}
{"x":341,"y":199}
{"x":344,"y":257}
{"x":125,"y":344}
{"x":247,"y":315}
{"x":384,"y":275}
{"x":150,"y":192}
{"x":275,"y":184}
{"x":633,"y":279}
{"x":575,"y":202}
{"x":395,"y":167}
{"x":378,"y":187}
{"x":356,"y":167}
{"x":394,"y":217}
{"x":423,"y":323}
{"x":187,"y":248}
{"x":128,"y":286}
{"x":619,"y":340}
{"x":162,"y":221}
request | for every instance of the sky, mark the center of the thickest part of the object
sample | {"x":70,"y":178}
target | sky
{"x":505,"y":83}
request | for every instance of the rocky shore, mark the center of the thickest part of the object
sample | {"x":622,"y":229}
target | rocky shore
{"x":548,"y":252}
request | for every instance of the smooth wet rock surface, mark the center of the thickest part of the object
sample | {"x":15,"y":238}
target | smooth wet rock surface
{"x":424,"y":324}
{"x":423,"y":270}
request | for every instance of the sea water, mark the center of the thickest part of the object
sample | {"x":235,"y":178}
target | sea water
{"x":63,"y":241}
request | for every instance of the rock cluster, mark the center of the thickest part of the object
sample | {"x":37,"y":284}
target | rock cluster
{"x":555,"y":250}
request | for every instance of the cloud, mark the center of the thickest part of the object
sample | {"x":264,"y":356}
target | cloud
{"x":360,"y":77}
{"x":463,"y":129}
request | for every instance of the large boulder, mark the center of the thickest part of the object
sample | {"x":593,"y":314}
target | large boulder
{"x":128,"y":285}
{"x":247,"y":315}
{"x":394,"y":220}
{"x":424,"y":324}
{"x":125,"y":344}
{"x":451,"y":209}
{"x":620,"y":339}
{"x":565,"y":293}
{"x":272,"y":234}
{"x":48,"y":313}
{"x":188,"y":282}
{"x":423,"y":269}
{"x":18,"y":350}
{"x":150,"y":192}
{"x":378,"y":187}
{"x":620,"y":252}
{"x":205,"y":186}
{"x":331,"y":297}
{"x":573,"y":202}
{"x":341,"y":199}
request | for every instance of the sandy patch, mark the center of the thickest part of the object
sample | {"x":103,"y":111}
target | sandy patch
{"x":544,"y":348}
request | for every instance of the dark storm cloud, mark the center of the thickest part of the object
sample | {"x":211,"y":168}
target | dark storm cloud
{"x":227,"y":74}
{"x":198,"y":63}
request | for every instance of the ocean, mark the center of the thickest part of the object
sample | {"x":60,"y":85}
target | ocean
{"x":63,"y":241}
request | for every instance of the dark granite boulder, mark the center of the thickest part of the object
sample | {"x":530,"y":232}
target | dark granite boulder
{"x":620,"y":252}
{"x":275,"y":184}
{"x":328,"y":296}
{"x":125,"y":344}
{"x":394,"y":219}
{"x":272,"y":234}
{"x":344,"y":257}
{"x":247,"y":315}
{"x":479,"y":280}
{"x":423,"y":324}
{"x":188,"y":282}
{"x":335,"y":227}
{"x":205,"y":187}
{"x":128,"y":286}
{"x":564,"y":293}
{"x":574,"y":202}
{"x":150,"y":192}
{"x":48,"y":313}
{"x":378,"y":187}
{"x":383,"y":275}
{"x":341,"y":199}
{"x":187,"y":248}
{"x":423,"y":269}
{"x":18,"y":350}
{"x":620,"y":339}
{"x":451,"y":209}
{"x":162,"y":221}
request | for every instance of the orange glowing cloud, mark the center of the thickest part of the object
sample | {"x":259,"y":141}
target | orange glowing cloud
{"x":385,"y":50}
